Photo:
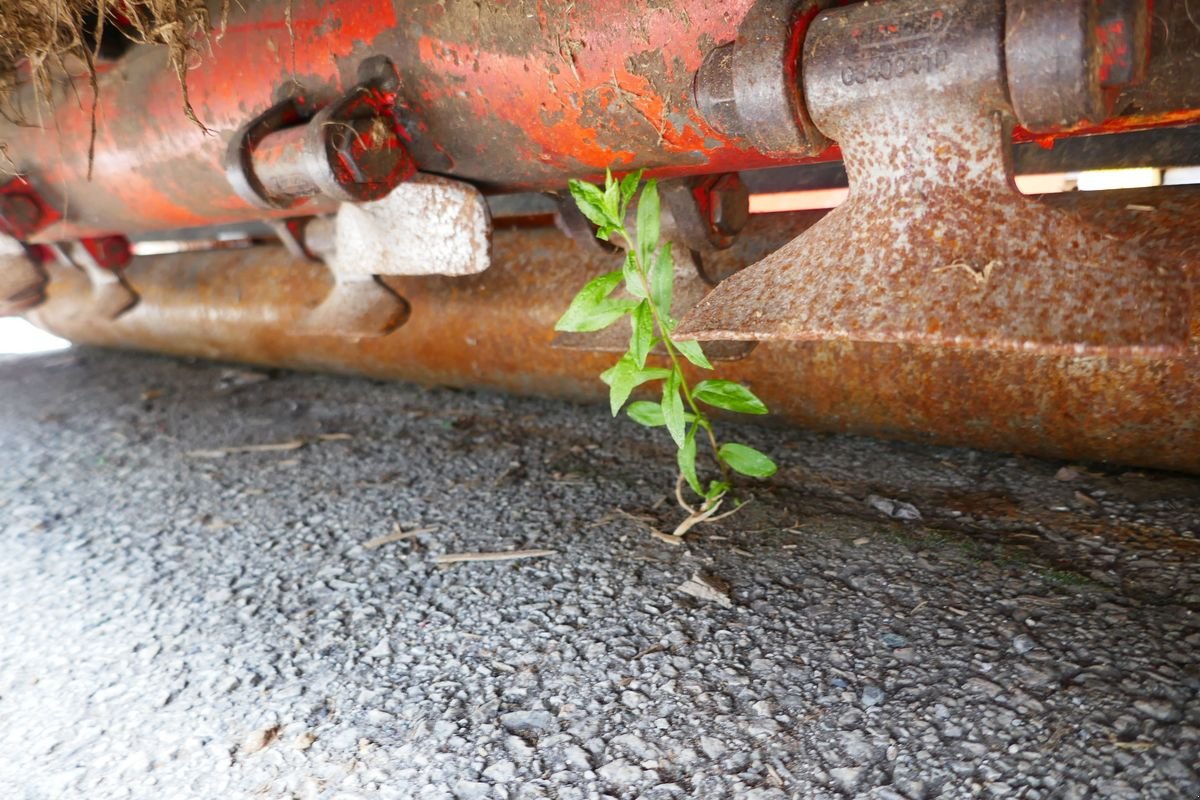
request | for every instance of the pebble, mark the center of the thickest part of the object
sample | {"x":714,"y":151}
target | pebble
{"x":576,"y":676}
{"x":848,"y":778}
{"x":977,"y":685}
{"x":712,"y":747}
{"x":471,"y":790}
{"x":620,"y":773}
{"x":1161,"y":710}
{"x":532,"y":722}
{"x":896,"y":509}
{"x":872,"y":696}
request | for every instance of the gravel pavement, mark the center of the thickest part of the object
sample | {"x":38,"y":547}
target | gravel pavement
{"x":181,"y":617}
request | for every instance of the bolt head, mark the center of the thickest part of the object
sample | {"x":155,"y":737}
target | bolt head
{"x":21,"y":213}
{"x":730,"y":205}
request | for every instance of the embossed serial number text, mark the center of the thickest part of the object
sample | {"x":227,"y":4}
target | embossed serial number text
{"x":888,"y":68}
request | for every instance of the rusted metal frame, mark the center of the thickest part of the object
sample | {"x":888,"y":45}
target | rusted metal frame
{"x":935,"y":245}
{"x":349,"y":151}
{"x":495,"y":330}
{"x":1160,"y":147}
{"x":559,"y":93}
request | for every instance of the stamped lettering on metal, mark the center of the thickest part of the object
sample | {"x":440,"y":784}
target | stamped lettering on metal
{"x":908,"y":44}
{"x":902,"y":29}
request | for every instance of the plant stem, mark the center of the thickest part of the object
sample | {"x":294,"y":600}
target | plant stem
{"x":701,"y":417}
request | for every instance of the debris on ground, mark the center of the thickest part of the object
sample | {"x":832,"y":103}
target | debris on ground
{"x":503,"y":555}
{"x":706,"y":587}
{"x":259,"y":739}
{"x":270,"y":447}
{"x":398,"y":534}
{"x":896,"y":509}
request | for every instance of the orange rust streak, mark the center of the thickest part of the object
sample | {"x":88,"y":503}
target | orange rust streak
{"x":510,"y":88}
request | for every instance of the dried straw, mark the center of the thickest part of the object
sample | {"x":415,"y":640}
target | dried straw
{"x":42,"y":38}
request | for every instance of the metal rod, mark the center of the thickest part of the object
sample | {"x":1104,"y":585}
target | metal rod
{"x":490,"y":93}
{"x":495,"y":330}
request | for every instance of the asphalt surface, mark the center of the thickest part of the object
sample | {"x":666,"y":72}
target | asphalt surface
{"x":882,"y":620}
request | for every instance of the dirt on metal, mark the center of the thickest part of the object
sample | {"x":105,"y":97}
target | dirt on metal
{"x":41,"y":39}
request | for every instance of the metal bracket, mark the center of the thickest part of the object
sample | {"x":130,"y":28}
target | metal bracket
{"x":427,"y":226}
{"x":935,"y":245}
{"x":23,"y":210}
{"x":357,"y":307}
{"x":352,"y":150}
{"x":750,"y":88}
{"x":708,"y":211}
{"x":22,"y":281}
{"x":112,"y":296}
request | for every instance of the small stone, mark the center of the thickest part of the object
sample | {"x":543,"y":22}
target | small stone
{"x":304,"y":740}
{"x":381,"y":650}
{"x":501,"y":772}
{"x":576,"y":758}
{"x":893,"y":640}
{"x":471,"y":790}
{"x":633,"y":699}
{"x":620,"y":773}
{"x":896,"y":509}
{"x":847,"y":777}
{"x":711,"y":747}
{"x":872,"y":696}
{"x":1066,"y":474}
{"x":529,"y":722}
{"x":636,"y":746}
{"x":1023,"y":643}
{"x":259,"y":739}
{"x":1160,"y":710}
{"x":706,"y":587}
{"x":764,"y":708}
{"x":978,"y":685}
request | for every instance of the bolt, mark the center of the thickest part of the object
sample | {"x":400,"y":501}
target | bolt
{"x":729,"y":208}
{"x":714,"y":90}
{"x":21,"y":213}
{"x":1121,"y":40}
{"x":109,"y":252}
{"x":365,"y":155}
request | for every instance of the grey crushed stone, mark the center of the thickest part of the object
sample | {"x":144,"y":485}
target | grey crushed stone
{"x":198,"y":627}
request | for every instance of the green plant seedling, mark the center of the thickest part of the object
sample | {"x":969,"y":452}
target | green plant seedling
{"x":648,"y":278}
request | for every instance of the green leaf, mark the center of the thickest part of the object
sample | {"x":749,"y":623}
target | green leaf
{"x":662,"y":280}
{"x":729,"y":396}
{"x":692,"y":352}
{"x":625,"y":376}
{"x":590,"y":201}
{"x":672,"y":407}
{"x":633,"y":279}
{"x":647,"y":221}
{"x":716,"y":490}
{"x":612,"y":196}
{"x":644,"y":412}
{"x":629,"y":185}
{"x":592,"y":309}
{"x":686,"y":458}
{"x":641,"y":339}
{"x":747,"y":460}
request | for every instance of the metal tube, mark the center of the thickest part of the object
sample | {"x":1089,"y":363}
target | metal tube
{"x":491,"y":93}
{"x":495,"y":330}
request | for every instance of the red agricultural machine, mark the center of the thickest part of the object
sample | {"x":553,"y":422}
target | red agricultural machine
{"x":377,"y":186}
